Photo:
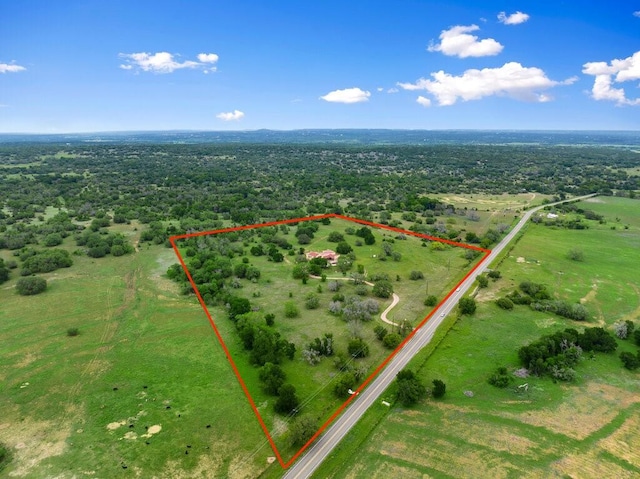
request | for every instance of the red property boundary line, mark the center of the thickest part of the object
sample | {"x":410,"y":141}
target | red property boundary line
{"x":287,"y":464}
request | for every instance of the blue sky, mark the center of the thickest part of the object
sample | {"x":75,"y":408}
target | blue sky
{"x":112,"y":65}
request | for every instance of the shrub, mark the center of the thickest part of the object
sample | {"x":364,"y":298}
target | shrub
{"x":416,"y":275}
{"x":5,"y":456}
{"x":575,"y":254}
{"x":439,"y":388}
{"x":380,"y":332}
{"x":312,"y":301}
{"x":270,"y":319}
{"x":504,"y":303}
{"x":73,"y":332}
{"x":53,"y":239}
{"x":410,"y":388}
{"x":302,"y":430}
{"x":346,"y":381}
{"x":358,"y":348}
{"x":288,"y":400}
{"x":494,"y":274}
{"x":500,"y":378}
{"x":631,"y":361}
{"x":392,"y":340}
{"x":31,"y":285}
{"x":431,"y":300}
{"x":4,"y":271}
{"x":383,"y":289}
{"x":291,"y":309}
{"x":467,"y":305}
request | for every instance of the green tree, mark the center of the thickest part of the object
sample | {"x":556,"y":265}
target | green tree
{"x":53,"y":239}
{"x":270,"y":319}
{"x":346,"y":381}
{"x":631,"y":361}
{"x":31,"y":285}
{"x":483,"y":281}
{"x":238,"y":306}
{"x":380,"y":332}
{"x":410,"y":388}
{"x":357,"y":348}
{"x":302,"y":429}
{"x":439,"y":388}
{"x":336,"y":237}
{"x":4,"y":271}
{"x":272,"y":377}
{"x":467,"y":306}
{"x":383,"y":289}
{"x":287,"y":401}
{"x":392,"y":340}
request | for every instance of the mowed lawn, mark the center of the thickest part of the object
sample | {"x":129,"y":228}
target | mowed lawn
{"x":584,"y":429}
{"x":143,"y":390}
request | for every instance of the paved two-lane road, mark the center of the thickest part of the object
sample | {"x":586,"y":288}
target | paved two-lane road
{"x":323,"y":446}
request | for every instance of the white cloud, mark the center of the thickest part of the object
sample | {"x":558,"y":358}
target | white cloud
{"x":11,"y":68}
{"x":458,"y":42}
{"x":393,"y":90}
{"x":511,"y":79}
{"x":380,"y":88}
{"x":424,"y":101}
{"x":627,"y":69}
{"x":348,"y":95}
{"x":230,"y":116}
{"x":636,"y":14}
{"x":513,"y":19}
{"x":208,"y":57}
{"x":165,"y":62}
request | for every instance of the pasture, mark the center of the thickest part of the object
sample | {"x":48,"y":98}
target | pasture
{"x":580,"y":429}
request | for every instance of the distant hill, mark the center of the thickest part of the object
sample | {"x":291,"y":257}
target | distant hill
{"x":347,"y":137}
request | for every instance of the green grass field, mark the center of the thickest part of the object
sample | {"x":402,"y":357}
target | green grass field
{"x":585,"y":429}
{"x":146,"y":357}
{"x":62,"y":415}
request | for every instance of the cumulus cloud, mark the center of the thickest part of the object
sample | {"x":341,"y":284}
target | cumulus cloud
{"x":457,"y":41}
{"x":424,"y":101}
{"x":11,"y":68}
{"x":636,"y":14}
{"x":230,"y":116}
{"x":208,"y":57}
{"x":511,"y":79}
{"x":513,"y":19}
{"x":348,"y":95}
{"x":165,"y":62}
{"x":607,"y":74}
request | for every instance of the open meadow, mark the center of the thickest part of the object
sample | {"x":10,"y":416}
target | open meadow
{"x":587,"y":428}
{"x":143,"y":389}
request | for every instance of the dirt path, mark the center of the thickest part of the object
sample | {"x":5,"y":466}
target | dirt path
{"x":383,"y":316}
